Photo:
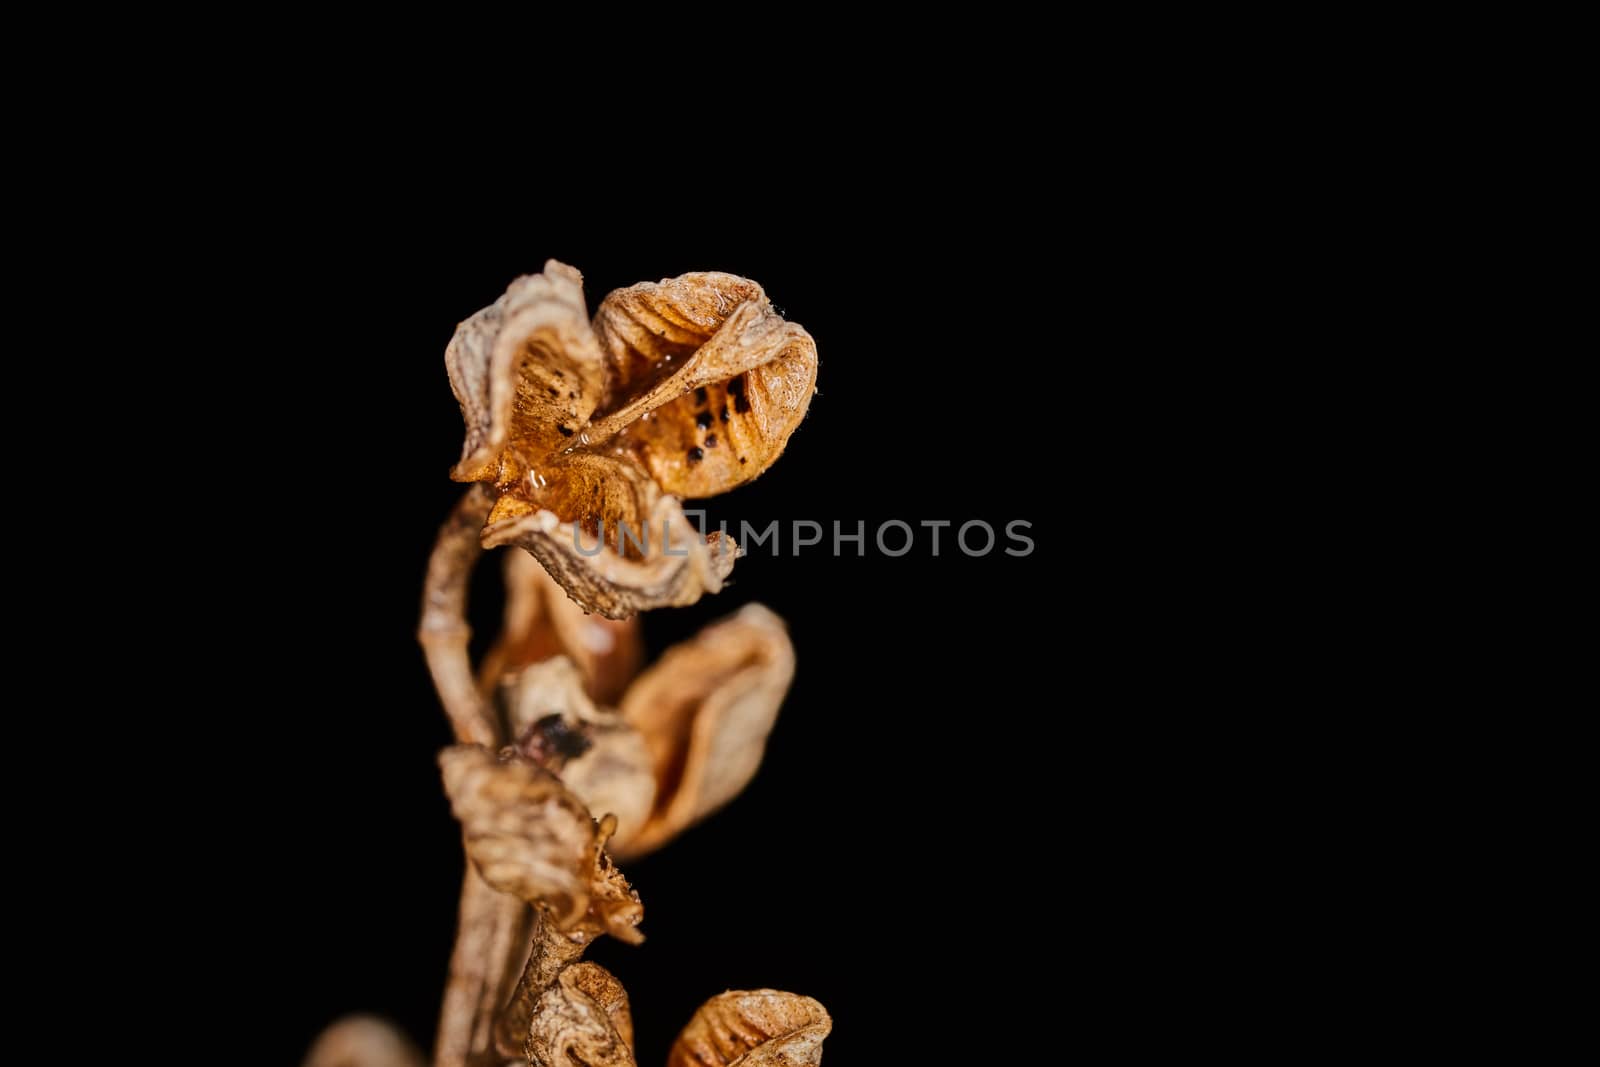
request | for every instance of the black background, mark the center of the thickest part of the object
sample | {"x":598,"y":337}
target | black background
{"x":929,"y":750}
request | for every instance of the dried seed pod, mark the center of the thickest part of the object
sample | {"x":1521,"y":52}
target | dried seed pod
{"x":542,"y":622}
{"x":581,"y":1020}
{"x":760,"y":1028}
{"x":705,"y":710}
{"x":529,"y":836}
{"x":705,"y":344}
{"x":363,"y":1041}
{"x":690,"y":387}
{"x":597,"y":754}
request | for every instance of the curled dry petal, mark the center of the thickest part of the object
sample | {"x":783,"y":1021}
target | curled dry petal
{"x":760,"y":1028}
{"x":542,"y":622}
{"x":705,"y":709}
{"x":725,"y":379}
{"x":522,"y":369}
{"x":362,"y":1041}
{"x":581,"y":1020}
{"x":688,"y":387}
{"x":663,"y":563}
{"x":597,"y":754}
{"x":529,"y":836}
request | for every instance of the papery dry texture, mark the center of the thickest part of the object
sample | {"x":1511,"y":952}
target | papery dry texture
{"x":705,"y":710}
{"x":541,"y":622}
{"x":758,"y":1028}
{"x":596,"y":753}
{"x":682,"y":389}
{"x":581,"y":1020}
{"x":527,"y":835}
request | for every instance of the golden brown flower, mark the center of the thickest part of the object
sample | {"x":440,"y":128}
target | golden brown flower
{"x":678,"y":390}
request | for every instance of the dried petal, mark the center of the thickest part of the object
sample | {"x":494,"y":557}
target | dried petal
{"x":597,"y":754}
{"x":542,"y":622}
{"x":363,"y":1041}
{"x":679,"y":569}
{"x":705,"y":709}
{"x":522,"y":369}
{"x":529,"y":836}
{"x":724,"y":379}
{"x":582,"y":1020}
{"x":761,"y":1028}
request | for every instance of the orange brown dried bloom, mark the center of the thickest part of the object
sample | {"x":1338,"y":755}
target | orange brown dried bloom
{"x":681,"y":389}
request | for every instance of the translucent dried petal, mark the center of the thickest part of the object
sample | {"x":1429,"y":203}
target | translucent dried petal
{"x":528,"y":835}
{"x":705,"y":710}
{"x":522,"y":369}
{"x":759,"y":1028}
{"x":724,"y":379}
{"x":542,"y":621}
{"x":582,"y":1020}
{"x":363,"y":1041}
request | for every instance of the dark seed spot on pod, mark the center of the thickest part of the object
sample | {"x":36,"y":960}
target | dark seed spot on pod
{"x":742,"y":459}
{"x":696,"y":455}
{"x":554,"y":391}
{"x":566,"y":431}
{"x":551,"y":741}
{"x":703,"y":420}
{"x":711,"y":440}
{"x":725,"y":415}
{"x":735,"y":387}
{"x":560,"y":375}
{"x":573,"y":395}
{"x":700,"y":395}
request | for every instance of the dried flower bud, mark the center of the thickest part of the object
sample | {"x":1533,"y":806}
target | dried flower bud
{"x":690,"y":387}
{"x":581,"y":1020}
{"x":762,"y":1028}
{"x":704,"y":710}
{"x":362,"y":1041}
{"x":529,"y":836}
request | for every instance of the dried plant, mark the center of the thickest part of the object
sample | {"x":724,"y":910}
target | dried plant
{"x":682,"y":389}
{"x":677,"y":391}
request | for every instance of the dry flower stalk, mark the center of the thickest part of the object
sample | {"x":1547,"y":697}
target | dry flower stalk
{"x":681,"y":389}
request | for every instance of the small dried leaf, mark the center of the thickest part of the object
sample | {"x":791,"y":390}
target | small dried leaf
{"x":596,"y":753}
{"x":705,"y":710}
{"x":760,"y":1028}
{"x":542,"y":622}
{"x":582,"y":1020}
{"x":363,"y":1041}
{"x":528,"y":835}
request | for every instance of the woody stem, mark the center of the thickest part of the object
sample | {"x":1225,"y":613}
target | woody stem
{"x":491,"y":927}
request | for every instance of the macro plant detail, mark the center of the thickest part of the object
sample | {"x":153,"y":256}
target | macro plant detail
{"x":677,"y":390}
{"x":569,"y":757}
